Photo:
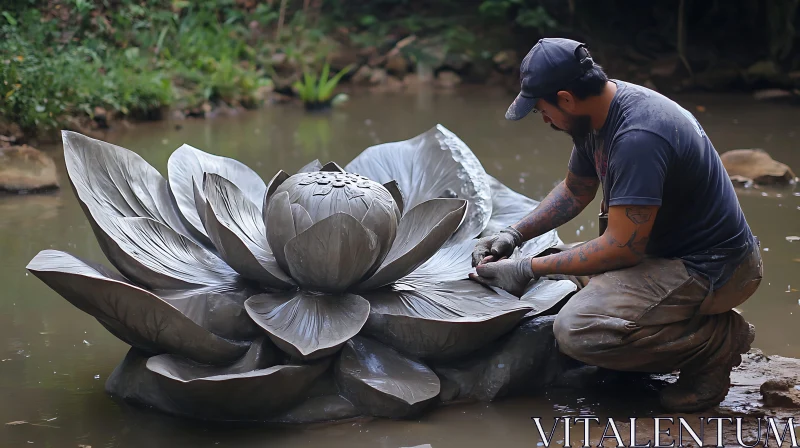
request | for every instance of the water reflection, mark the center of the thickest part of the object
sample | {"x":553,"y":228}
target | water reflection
{"x":313,"y":137}
{"x":54,"y":358}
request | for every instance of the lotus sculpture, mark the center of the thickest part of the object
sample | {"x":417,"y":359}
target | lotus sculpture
{"x":321,"y":295}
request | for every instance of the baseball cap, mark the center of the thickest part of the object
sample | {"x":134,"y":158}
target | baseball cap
{"x":550,"y":65}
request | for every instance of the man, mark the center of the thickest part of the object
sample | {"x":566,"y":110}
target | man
{"x":677,"y":254}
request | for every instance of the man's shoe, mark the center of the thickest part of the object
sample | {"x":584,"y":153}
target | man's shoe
{"x":700,"y":390}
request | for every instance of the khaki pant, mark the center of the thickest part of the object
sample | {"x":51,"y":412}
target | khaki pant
{"x":656,"y":317}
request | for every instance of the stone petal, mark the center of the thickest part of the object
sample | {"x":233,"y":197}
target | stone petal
{"x":508,"y":207}
{"x":381,"y":220}
{"x":186,"y":167}
{"x":526,"y":362}
{"x":235,"y":226}
{"x":307,"y":325}
{"x":220,"y":312}
{"x":273,"y":185}
{"x":252,"y":389}
{"x":136,"y":316}
{"x":448,"y":264}
{"x":397,"y":195}
{"x":441,"y":321}
{"x":432,"y":165}
{"x":382,"y":382}
{"x":545,"y":294}
{"x":112,"y":180}
{"x":282,"y":228}
{"x":332,"y":255}
{"x":325,"y":408}
{"x":332,"y":166}
{"x":156,"y":256}
{"x":301,"y":218}
{"x":536,"y":246}
{"x":311,"y":167}
{"x":420,"y":234}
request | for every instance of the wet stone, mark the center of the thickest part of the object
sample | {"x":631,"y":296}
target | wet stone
{"x":523,"y":363}
{"x":756,"y":165}
{"x":325,"y":408}
{"x":782,"y":392}
{"x":26,"y":169}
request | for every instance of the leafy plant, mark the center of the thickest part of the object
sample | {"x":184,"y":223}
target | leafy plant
{"x":313,"y":89}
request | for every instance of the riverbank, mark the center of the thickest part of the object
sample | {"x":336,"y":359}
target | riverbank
{"x":88,"y":67}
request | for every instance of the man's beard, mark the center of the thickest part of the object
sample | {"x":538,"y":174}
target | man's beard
{"x":579,"y":127}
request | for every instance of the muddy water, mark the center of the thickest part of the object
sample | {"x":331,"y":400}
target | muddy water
{"x":54,"y":358}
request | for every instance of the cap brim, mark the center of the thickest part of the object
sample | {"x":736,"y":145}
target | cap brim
{"x":520,"y":107}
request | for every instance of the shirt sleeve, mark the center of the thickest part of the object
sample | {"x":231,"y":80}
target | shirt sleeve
{"x":580,"y":164}
{"x":638,"y":168}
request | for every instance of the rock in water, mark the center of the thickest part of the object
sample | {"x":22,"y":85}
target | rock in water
{"x":757,"y":165}
{"x":782,"y":393}
{"x":448,"y":79}
{"x":24,"y":169}
{"x":397,"y":64}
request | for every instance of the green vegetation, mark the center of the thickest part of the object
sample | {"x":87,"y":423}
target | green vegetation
{"x":66,"y":62}
{"x":315,"y":92}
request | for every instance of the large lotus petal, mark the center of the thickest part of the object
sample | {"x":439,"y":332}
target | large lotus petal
{"x":545,"y":294}
{"x":219,"y":311}
{"x":281,"y":229}
{"x":306,"y":325}
{"x":156,"y":256}
{"x":449,"y":264}
{"x":237,"y":392}
{"x":536,"y":246}
{"x":508,"y":207}
{"x":420,"y":234}
{"x":186,"y":167}
{"x":138,"y":317}
{"x":118,"y":182}
{"x":432,"y":165}
{"x":273,"y":185}
{"x":382,"y":382}
{"x":333,"y":254}
{"x":235,"y":226}
{"x":441,"y":321}
{"x":382,"y":221}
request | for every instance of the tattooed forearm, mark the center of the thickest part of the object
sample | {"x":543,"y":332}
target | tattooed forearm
{"x":593,"y":257}
{"x":565,"y":202}
{"x":624,"y":244}
{"x":636,"y":245}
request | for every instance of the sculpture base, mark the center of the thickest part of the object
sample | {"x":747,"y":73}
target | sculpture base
{"x":525,"y":362}
{"x":522,"y":362}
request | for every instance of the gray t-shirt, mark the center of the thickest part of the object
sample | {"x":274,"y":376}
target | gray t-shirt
{"x":651,"y":151}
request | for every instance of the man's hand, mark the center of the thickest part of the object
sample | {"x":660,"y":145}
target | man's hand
{"x":497,"y":246}
{"x":511,"y":275}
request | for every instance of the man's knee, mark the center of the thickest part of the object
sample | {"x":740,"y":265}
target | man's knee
{"x":575,"y":344}
{"x":583,"y":328}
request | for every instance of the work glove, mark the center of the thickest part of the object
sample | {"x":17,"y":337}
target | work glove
{"x":511,"y":275}
{"x":499,"y":245}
